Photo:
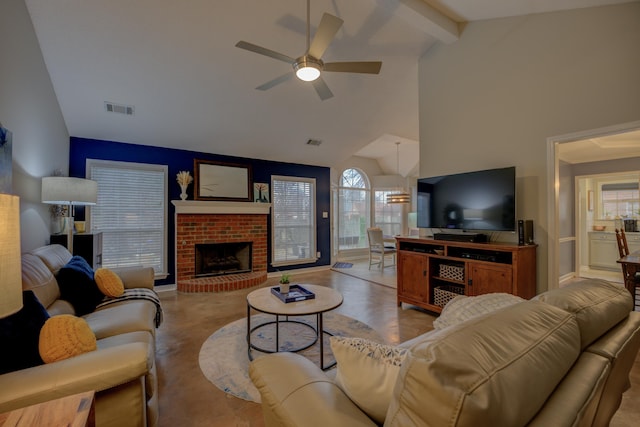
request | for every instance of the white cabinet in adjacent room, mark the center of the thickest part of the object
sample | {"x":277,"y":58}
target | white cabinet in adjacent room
{"x":633,"y":241}
{"x":603,"y":251}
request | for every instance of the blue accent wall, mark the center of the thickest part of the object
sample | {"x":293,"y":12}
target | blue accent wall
{"x":82,"y":149}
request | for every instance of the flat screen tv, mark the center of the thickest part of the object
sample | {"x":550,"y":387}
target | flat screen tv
{"x":480,"y":200}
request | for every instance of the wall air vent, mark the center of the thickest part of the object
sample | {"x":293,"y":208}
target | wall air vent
{"x":112,"y":107}
{"x":315,"y":142}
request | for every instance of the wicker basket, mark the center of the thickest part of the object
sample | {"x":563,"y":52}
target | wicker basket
{"x":443,"y":294}
{"x":453,"y":272}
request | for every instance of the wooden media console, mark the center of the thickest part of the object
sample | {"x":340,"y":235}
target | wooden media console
{"x":432,"y":272}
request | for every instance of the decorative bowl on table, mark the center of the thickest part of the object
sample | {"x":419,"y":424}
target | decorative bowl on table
{"x":599,"y":227}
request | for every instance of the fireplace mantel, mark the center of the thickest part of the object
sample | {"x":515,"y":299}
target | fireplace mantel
{"x":202,"y":207}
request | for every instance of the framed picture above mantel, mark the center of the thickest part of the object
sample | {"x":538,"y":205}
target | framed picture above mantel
{"x":222,"y":181}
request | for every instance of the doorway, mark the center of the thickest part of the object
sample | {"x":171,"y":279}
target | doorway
{"x":563,"y":238}
{"x":603,"y":201}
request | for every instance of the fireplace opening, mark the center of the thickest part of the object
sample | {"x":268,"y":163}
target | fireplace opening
{"x":216,"y":259}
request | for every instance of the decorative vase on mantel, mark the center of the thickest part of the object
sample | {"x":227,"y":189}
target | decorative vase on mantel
{"x":184,"y":178}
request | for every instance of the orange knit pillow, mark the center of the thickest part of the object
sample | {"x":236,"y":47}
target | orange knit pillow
{"x":65,"y":336}
{"x":109,"y":282}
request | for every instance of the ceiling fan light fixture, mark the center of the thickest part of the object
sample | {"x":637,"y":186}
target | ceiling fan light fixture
{"x":307,"y":69}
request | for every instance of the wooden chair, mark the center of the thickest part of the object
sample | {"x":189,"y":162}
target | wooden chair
{"x":629,"y":276}
{"x":377,"y":249}
{"x":621,"y":238}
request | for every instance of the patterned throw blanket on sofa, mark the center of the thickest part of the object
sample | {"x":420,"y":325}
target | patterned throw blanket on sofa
{"x":137,"y":293}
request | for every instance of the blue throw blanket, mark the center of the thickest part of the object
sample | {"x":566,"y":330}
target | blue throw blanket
{"x":137,"y":293}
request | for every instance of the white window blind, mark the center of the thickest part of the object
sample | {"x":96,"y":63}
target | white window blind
{"x":294,"y":220}
{"x":387,"y":216}
{"x":130,"y":213}
{"x":621,"y":200}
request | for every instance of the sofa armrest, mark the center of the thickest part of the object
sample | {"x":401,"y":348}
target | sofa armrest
{"x":96,"y":370}
{"x":296,"y":392}
{"x":136,"y":277}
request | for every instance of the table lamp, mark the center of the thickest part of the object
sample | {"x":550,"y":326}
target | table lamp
{"x":10,"y":262}
{"x":62,"y":190}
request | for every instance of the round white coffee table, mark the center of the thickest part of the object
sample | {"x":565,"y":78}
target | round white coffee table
{"x":264,"y":301}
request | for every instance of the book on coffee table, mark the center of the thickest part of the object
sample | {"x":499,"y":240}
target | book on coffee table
{"x":296,"y":293}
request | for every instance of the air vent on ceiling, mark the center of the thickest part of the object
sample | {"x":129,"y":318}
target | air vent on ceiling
{"x":315,"y":142}
{"x":111,"y":107}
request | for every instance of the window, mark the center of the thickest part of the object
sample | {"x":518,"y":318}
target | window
{"x":294,"y":220}
{"x":387,"y":216}
{"x":353,"y":210}
{"x":620,"y":200}
{"x":130,"y":213}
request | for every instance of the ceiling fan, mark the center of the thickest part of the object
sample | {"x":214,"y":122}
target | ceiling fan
{"x":309,"y":66}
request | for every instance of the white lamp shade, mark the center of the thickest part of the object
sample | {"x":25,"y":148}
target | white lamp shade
{"x":10,"y":262}
{"x":62,"y":190}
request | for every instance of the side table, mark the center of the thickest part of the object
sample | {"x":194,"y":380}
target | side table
{"x":76,"y":410}
{"x":86,"y":245}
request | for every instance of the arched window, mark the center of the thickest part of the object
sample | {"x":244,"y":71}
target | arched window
{"x":354,"y":207}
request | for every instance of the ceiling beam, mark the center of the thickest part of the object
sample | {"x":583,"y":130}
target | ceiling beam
{"x":425,"y":18}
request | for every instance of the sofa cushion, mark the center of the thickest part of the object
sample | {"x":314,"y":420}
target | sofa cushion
{"x":78,"y":286}
{"x":65,"y":336}
{"x":296,"y":392}
{"x":598,"y":305}
{"x":123,"y":317}
{"x":54,"y":256}
{"x":150,"y":379}
{"x":463,"y":308}
{"x":367,"y":372}
{"x":490,"y":370}
{"x":19,"y":334}
{"x":36,"y":276}
{"x":109,"y":282}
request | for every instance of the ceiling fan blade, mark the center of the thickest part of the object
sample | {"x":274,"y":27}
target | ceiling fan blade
{"x":329,"y":26}
{"x":322,"y":89}
{"x":353,"y":67}
{"x":271,"y":83}
{"x":264,"y":51}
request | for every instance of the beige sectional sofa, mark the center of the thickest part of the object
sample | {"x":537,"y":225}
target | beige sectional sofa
{"x":561,"y":359}
{"x":122,"y":371}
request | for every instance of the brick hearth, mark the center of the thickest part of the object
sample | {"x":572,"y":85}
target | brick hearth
{"x":219,"y":222}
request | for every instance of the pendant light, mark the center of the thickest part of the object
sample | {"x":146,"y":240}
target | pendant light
{"x":400,"y":196}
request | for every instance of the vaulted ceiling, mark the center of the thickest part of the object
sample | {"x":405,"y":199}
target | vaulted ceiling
{"x":176,"y":64}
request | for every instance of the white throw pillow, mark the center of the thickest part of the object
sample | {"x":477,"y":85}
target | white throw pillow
{"x":367,"y":373}
{"x":463,"y":308}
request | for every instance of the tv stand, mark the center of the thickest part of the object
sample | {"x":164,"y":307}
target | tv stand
{"x":462,"y":237}
{"x":432,"y":272}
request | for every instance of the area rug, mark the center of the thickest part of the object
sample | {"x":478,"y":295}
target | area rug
{"x":223,"y":356}
{"x":342,"y":265}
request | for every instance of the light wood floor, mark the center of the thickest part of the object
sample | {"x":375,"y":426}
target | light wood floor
{"x":187,"y":398}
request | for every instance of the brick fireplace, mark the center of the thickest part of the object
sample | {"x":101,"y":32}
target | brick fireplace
{"x":200,"y":223}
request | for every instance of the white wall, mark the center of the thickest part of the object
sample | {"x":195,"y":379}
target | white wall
{"x":29,"y":109}
{"x":493,"y":98}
